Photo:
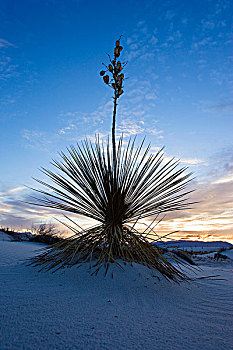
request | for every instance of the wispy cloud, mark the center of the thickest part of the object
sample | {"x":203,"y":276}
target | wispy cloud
{"x":221,"y":164}
{"x":211,"y":216}
{"x":8,"y":68}
{"x":37,"y":139}
{"x":12,"y":190}
{"x":220,"y":107}
{"x":207,"y":41}
{"x":130,"y":127}
{"x":4,"y":208}
{"x":4,"y":43}
{"x":67,"y":129}
{"x":192,"y":161}
{"x":223,"y":180}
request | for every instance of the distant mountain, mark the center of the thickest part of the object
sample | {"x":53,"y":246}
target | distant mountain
{"x":193,"y":244}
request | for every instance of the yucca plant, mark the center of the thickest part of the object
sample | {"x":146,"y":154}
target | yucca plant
{"x":116,"y":186}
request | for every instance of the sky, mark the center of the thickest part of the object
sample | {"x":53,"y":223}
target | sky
{"x":178,"y":93}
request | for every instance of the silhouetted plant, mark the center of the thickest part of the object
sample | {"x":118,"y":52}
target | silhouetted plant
{"x":44,"y":229}
{"x":117,"y":186}
{"x":45,"y":233}
{"x":116,"y":80}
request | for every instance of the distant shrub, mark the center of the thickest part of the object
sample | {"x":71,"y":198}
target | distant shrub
{"x":45,"y":233}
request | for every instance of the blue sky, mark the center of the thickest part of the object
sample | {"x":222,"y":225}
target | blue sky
{"x":178,"y":93}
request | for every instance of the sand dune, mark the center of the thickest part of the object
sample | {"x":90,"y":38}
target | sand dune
{"x":137,"y":309}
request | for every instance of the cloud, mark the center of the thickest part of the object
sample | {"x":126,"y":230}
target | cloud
{"x":39,"y":140}
{"x":130,"y":127}
{"x":192,"y":161}
{"x":220,"y":107}
{"x":170,"y":14}
{"x":4,"y":207}
{"x":213,"y":200}
{"x":67,"y":128}
{"x":7,"y":69}
{"x":207,"y":25}
{"x":13,"y":190}
{"x":134,"y":115}
{"x":223,"y":180}
{"x":142,"y":43}
{"x":16,"y":213}
{"x":221,"y":164}
{"x":96,"y":134}
{"x":4,"y":43}
{"x":210,"y":219}
{"x":207,"y":41}
{"x":75,"y":121}
{"x":151,"y":96}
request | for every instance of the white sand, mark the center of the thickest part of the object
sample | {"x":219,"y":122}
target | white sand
{"x":72,"y":310}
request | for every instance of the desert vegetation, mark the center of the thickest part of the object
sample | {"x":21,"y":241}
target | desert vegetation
{"x":47,"y":233}
{"x":118,"y":184}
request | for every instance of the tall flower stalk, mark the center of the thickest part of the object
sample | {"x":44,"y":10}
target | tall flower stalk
{"x":114,"y":78}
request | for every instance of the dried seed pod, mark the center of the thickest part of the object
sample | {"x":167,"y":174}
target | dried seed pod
{"x":110,"y":68}
{"x":119,"y":68}
{"x":116,"y":52}
{"x":120,"y":48}
{"x":120,"y":78}
{"x":106,"y":79}
{"x":117,"y":43}
{"x":119,"y":85}
{"x":102,"y":73}
{"x":119,"y":93}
